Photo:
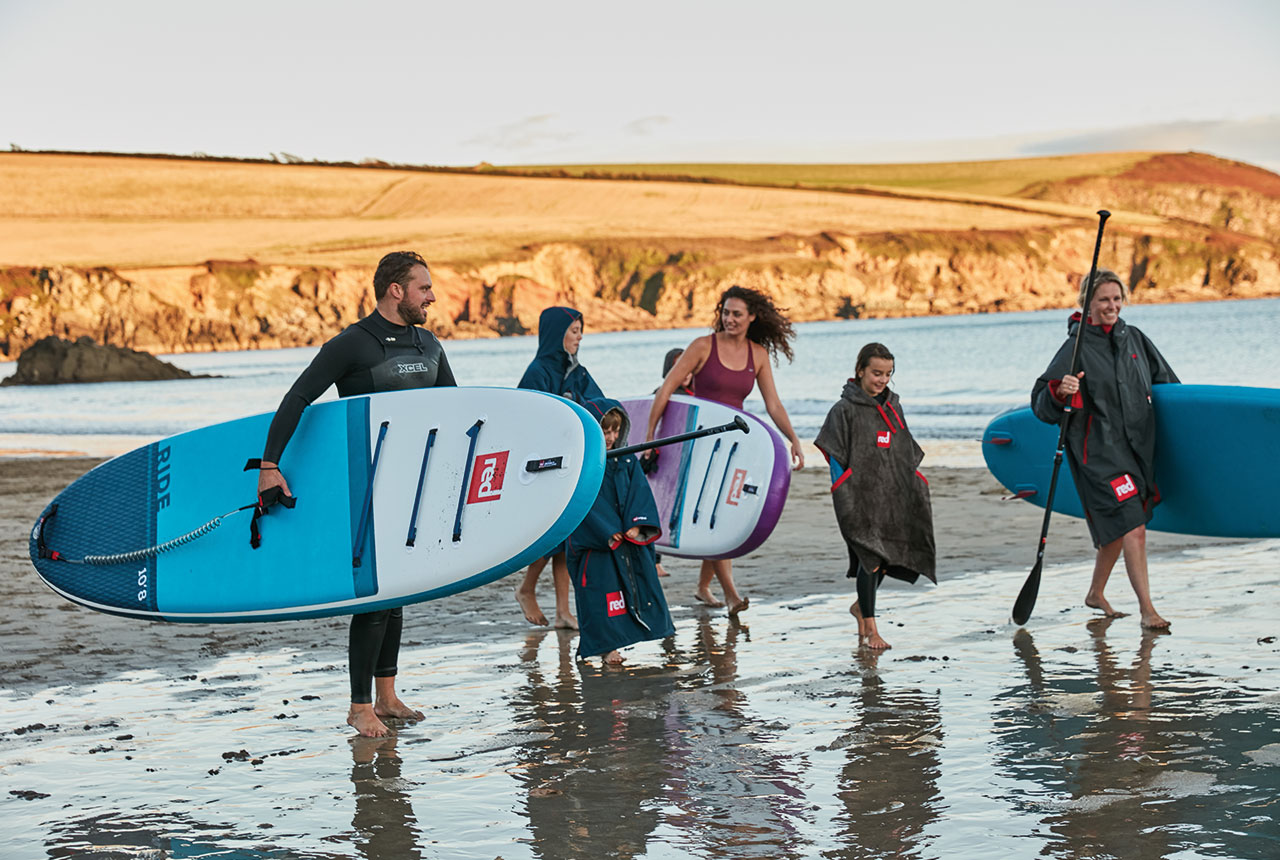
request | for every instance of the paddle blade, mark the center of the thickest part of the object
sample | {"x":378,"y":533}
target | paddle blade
{"x":1026,"y":601}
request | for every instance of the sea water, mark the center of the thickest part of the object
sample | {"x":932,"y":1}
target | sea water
{"x":953,"y":373}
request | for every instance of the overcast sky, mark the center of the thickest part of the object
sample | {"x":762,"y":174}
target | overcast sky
{"x":560,"y":81}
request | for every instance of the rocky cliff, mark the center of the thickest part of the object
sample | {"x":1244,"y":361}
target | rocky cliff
{"x":625,"y":285}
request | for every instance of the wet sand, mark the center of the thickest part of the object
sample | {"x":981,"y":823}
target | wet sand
{"x":777,"y":738}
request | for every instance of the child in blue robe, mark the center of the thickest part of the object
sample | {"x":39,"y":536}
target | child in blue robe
{"x":611,"y":560}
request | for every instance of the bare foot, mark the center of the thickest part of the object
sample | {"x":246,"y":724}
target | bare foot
{"x":874,"y":640}
{"x":613,"y":658}
{"x":706,"y":599}
{"x":366,"y":722}
{"x":1154,"y":622}
{"x":566,"y":622}
{"x":661,"y":570}
{"x":529,"y":606}
{"x":857,"y":613}
{"x":1100,"y":603}
{"x":741,"y":606}
{"x":397,"y":709}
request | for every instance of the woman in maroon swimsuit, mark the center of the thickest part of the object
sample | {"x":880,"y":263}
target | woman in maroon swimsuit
{"x":726,"y":365}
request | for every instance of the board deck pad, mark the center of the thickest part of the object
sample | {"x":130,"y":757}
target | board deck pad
{"x":719,"y":496}
{"x":306,"y":566}
{"x":1216,"y":460}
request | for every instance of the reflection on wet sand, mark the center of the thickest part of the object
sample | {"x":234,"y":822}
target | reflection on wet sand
{"x":1121,"y":760}
{"x":593,"y":781}
{"x":383,"y":823}
{"x":734,"y":795}
{"x":637,"y":748}
{"x":889,"y":786}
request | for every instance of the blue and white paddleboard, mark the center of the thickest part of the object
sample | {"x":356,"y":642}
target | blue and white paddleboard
{"x":470,"y":485}
{"x":719,"y":496}
{"x":1216,"y":462}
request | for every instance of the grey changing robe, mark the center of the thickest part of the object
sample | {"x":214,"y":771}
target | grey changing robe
{"x":881,"y":500}
{"x":1111,"y":442}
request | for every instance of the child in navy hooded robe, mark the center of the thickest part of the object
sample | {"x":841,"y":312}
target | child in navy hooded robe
{"x":619,"y":599}
{"x":555,"y":369}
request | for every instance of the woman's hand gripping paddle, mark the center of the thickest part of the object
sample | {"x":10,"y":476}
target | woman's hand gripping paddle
{"x":1026,"y":601}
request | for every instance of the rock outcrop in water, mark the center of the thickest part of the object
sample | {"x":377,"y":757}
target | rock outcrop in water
{"x":53,"y":360}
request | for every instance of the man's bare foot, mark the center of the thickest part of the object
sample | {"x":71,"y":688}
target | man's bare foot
{"x":705,"y":598}
{"x":529,"y":606}
{"x":613,"y":658}
{"x":741,"y":606}
{"x":566,"y":622}
{"x":1100,"y":603}
{"x":397,"y":709}
{"x":366,"y":722}
{"x":873,"y":639}
{"x":857,"y":613}
{"x":661,"y":570}
{"x":1153,"y":621}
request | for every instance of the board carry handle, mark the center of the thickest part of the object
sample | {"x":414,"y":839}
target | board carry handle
{"x":474,"y":433}
{"x":677,"y":507}
{"x":727,"y":464}
{"x":736,"y":424}
{"x":357,"y":549}
{"x":422,"y":479}
{"x":710,"y":460}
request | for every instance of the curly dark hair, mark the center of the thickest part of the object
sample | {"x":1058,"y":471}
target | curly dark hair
{"x":770,"y":328}
{"x":394,"y":268}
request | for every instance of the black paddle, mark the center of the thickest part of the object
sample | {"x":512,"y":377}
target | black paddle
{"x":736,"y":424}
{"x":1031,"y":588}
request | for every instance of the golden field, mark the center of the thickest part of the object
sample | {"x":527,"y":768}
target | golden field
{"x":145,"y":212}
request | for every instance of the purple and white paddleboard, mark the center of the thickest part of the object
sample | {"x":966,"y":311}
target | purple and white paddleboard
{"x":719,"y":496}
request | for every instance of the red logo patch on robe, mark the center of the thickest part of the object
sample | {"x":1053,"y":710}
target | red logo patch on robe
{"x":883,"y":439}
{"x":1124,"y":487}
{"x":617,"y":605}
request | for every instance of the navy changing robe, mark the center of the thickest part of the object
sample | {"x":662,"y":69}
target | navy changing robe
{"x":1111,"y":442}
{"x":619,"y":598}
{"x":553,"y":370}
{"x":881,"y":500}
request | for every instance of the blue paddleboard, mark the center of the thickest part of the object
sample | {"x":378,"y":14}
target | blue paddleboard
{"x":470,"y":484}
{"x":1216,"y":460}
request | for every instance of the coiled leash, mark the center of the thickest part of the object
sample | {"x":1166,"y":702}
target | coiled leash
{"x":272,"y":496}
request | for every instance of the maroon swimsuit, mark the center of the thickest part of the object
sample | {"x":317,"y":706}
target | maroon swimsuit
{"x":730,"y":387}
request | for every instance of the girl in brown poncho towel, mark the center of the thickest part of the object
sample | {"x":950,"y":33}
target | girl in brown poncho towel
{"x":881,"y":500}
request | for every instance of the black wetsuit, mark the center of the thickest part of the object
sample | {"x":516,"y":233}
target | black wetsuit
{"x":371,"y":356}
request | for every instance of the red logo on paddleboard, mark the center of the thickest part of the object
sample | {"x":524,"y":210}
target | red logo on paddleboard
{"x":617,"y":606}
{"x":1124,"y":487}
{"x":735,"y":487}
{"x":486,"y":477}
{"x":883,"y":439}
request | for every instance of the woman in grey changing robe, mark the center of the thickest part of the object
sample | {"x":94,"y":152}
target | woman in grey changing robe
{"x":1111,"y":444}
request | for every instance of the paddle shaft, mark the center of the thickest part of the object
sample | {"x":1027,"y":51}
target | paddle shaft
{"x":736,"y":424}
{"x":1026,"y":602}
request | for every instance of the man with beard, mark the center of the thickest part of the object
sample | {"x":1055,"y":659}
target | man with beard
{"x":385,"y":351}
